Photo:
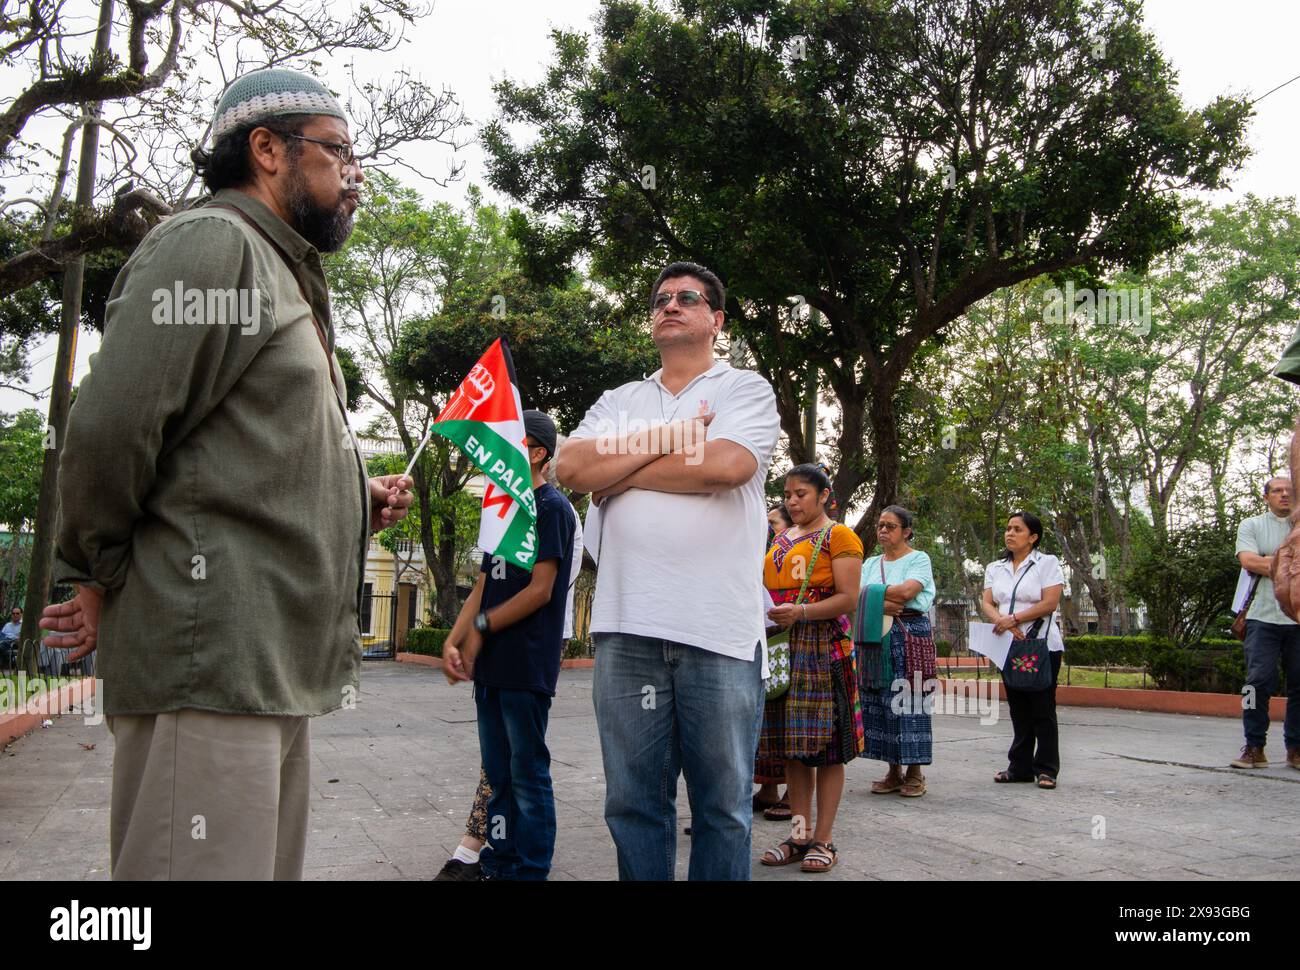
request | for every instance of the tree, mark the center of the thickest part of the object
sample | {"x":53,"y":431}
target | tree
{"x":1113,"y":430}
{"x":1186,"y":578}
{"x":158,"y":95}
{"x":22,"y":444}
{"x":152,"y":104}
{"x":888,"y":165}
{"x":421,"y":291}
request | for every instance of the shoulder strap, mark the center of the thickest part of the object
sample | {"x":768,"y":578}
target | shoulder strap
{"x":284,"y":257}
{"x":817,"y":548}
{"x":1018,"y":582}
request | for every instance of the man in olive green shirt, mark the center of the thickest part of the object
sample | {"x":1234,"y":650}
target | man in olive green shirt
{"x":1271,"y":635}
{"x":215,"y":509}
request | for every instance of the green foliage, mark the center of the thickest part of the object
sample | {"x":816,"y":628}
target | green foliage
{"x":1186,"y":580}
{"x":353,"y":379}
{"x":1220,"y":671}
{"x":1091,"y":650}
{"x":426,"y":640}
{"x":22,"y":455}
{"x":576,"y":649}
{"x":827,"y":151}
{"x":1111,"y":429}
{"x":1217,"y":666}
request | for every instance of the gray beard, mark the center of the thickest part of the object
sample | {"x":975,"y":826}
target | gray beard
{"x":325,"y":228}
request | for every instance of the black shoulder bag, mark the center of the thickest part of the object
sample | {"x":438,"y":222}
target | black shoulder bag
{"x":1029,"y":664}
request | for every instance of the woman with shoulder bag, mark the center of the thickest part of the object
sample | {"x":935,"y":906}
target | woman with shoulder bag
{"x":1022,"y":590}
{"x":815,"y":726}
{"x":899,"y":727}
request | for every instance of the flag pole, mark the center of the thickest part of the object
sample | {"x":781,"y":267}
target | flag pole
{"x":416,"y":457}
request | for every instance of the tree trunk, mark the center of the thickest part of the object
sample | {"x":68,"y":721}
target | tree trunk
{"x":888,"y":457}
{"x":47,"y":507}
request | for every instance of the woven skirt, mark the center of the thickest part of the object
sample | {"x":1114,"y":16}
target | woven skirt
{"x":905,"y":738}
{"x":819,"y":720}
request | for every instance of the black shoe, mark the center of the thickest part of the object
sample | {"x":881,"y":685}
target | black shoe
{"x":457,"y":871}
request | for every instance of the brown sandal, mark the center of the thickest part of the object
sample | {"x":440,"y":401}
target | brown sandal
{"x":890,"y":783}
{"x":820,"y":857}
{"x":913,"y":787}
{"x":780,"y":812}
{"x":780,"y":857}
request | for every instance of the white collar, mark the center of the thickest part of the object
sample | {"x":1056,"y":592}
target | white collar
{"x":1033,"y":556}
{"x":718,"y":368}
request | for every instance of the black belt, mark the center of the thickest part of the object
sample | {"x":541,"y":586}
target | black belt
{"x":910,"y":614}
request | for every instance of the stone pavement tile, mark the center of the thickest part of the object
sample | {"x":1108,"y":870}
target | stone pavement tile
{"x":399,"y":837}
{"x":67,"y":861}
{"x":326,"y":854}
{"x":403,"y":793}
{"x":360,"y":872}
{"x":1242,"y":866}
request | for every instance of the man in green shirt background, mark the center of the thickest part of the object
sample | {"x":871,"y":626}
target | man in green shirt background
{"x":215,"y":510}
{"x":1271,"y":635}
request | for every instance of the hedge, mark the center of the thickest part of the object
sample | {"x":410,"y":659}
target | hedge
{"x":1218,"y":666}
{"x":426,"y":640}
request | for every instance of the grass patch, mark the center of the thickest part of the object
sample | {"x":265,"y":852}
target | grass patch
{"x":1078,"y":677}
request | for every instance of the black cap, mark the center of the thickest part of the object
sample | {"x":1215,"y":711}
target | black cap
{"x":541,"y":429}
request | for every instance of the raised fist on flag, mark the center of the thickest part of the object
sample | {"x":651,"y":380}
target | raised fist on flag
{"x":473,"y":391}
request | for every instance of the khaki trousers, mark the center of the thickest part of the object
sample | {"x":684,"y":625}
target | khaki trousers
{"x":198,"y":795}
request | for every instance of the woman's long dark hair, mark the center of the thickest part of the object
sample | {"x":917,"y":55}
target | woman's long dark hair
{"x":819,"y":477}
{"x":1033,"y":524}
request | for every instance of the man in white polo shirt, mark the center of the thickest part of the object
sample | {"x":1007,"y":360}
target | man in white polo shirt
{"x":677,"y":463}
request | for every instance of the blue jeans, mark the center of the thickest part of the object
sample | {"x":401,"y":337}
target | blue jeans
{"x":664,"y":709}
{"x":1266,"y":644}
{"x":521,"y":811}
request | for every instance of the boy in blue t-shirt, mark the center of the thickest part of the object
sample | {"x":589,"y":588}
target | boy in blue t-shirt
{"x":509,"y":638}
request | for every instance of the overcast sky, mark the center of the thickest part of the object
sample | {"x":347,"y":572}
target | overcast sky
{"x":1247,"y":46}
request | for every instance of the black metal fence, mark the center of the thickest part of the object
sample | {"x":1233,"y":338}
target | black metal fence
{"x":379,"y":627}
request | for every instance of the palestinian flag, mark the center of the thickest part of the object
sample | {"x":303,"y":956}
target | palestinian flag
{"x":485,"y":419}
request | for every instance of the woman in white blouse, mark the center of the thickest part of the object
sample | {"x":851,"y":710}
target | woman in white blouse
{"x":1022,"y":590}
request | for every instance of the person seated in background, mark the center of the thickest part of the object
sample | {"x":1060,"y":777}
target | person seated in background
{"x":9,"y":635}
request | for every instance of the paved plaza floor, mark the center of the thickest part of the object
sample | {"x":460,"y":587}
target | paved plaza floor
{"x":1142,"y":796}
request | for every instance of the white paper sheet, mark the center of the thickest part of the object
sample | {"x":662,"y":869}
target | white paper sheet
{"x":989,"y":644}
{"x":1243,"y":589}
{"x":591,"y":532}
{"x":769,"y":604}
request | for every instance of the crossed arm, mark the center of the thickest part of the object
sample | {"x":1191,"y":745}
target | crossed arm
{"x":896,"y":596}
{"x":607,"y":467}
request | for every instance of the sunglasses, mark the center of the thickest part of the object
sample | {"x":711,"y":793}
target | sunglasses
{"x":685,"y":298}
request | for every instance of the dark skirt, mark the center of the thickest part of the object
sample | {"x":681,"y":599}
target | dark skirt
{"x":905,"y":738}
{"x":819,"y":720}
{"x":769,"y":771}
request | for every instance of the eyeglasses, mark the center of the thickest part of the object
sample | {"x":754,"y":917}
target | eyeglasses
{"x":685,"y":298}
{"x":887,"y":526}
{"x":343,"y":150}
